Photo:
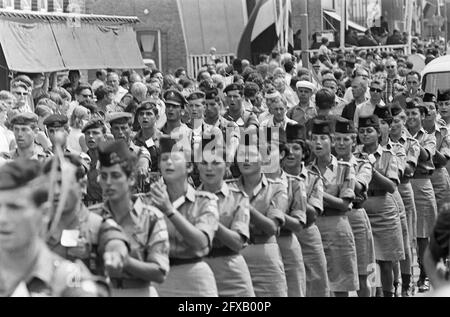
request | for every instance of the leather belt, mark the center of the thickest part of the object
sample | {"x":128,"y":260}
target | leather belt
{"x":358,"y":205}
{"x":422,"y":175}
{"x":376,"y":192}
{"x":328,"y":212}
{"x":125,"y":283}
{"x":224,"y":251}
{"x":176,"y":261}
{"x":260,"y":239}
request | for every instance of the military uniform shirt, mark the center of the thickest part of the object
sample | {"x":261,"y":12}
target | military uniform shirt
{"x":363,"y":171}
{"x":400,"y":153}
{"x":234,"y":211}
{"x":151,"y":145}
{"x":244,"y":120}
{"x":314,"y":188}
{"x":428,"y":142}
{"x":442,"y":140}
{"x":296,"y":193}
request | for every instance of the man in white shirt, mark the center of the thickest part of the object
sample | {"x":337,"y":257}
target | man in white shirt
{"x":100,"y":81}
{"x":367,"y":108}
{"x":113,"y":80}
{"x":277,"y":117}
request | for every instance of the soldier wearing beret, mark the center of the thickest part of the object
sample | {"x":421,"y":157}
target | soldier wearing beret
{"x":192,"y":220}
{"x":443,"y":102}
{"x":345,"y":140}
{"x":380,"y":205}
{"x":144,"y":224}
{"x":424,"y":195}
{"x":27,"y":267}
{"x":235,"y":109}
{"x":121,"y":130}
{"x":25,"y":128}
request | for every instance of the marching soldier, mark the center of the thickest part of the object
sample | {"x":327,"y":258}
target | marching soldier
{"x":192,"y":219}
{"x":337,"y":237}
{"x":317,"y":284}
{"x":143,"y":224}
{"x":27,"y":267}
{"x":229,"y":267}
{"x":421,"y":183}
{"x":345,"y":140}
{"x":380,"y":205}
{"x":235,"y":109}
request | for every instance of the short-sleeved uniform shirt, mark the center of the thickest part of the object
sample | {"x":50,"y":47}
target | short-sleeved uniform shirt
{"x":384,"y":161}
{"x":200,"y":209}
{"x":338,"y":178}
{"x":363,"y":171}
{"x":269,"y":197}
{"x":146,"y":231}
{"x":428,"y":142}
{"x":297,"y":200}
{"x":442,"y":141}
{"x":400,"y":153}
{"x":314,"y":188}
{"x":234,"y":211}
{"x":151,"y":145}
{"x":245,"y":119}
{"x":412,"y":148}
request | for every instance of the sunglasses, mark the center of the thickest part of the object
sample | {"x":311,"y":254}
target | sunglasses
{"x":376,"y":90}
{"x":390,"y":67}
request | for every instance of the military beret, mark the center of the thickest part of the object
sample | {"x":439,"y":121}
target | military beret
{"x":93,"y":124}
{"x":115,"y":152}
{"x":427,"y":97}
{"x":443,"y":95}
{"x":174,"y":97}
{"x":413,"y":104}
{"x":233,"y":87}
{"x":196,"y":96}
{"x":321,"y":127}
{"x":295,"y":132}
{"x":383,"y":113}
{"x":119,"y":118}
{"x":344,"y":126}
{"x":18,"y":173}
{"x":56,"y":121}
{"x":371,"y":121}
{"x":212,"y":94}
{"x":305,"y":84}
{"x":25,"y":118}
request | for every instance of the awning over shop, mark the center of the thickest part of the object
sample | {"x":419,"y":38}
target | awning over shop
{"x":351,"y":24}
{"x":44,"y":43}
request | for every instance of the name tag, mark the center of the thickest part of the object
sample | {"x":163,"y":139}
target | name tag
{"x":69,"y":238}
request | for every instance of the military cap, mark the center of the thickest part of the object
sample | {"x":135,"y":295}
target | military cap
{"x":427,"y":97}
{"x":18,"y":173}
{"x":344,"y":126}
{"x":174,"y":97}
{"x":233,"y":87}
{"x":383,"y":113}
{"x":25,"y":118}
{"x":371,"y":121}
{"x":212,"y":94}
{"x":321,"y":127}
{"x":196,"y":97}
{"x":56,"y":121}
{"x":443,"y":95}
{"x":115,"y":152}
{"x":146,"y":105}
{"x":119,"y":118}
{"x":93,"y":124}
{"x":295,"y":132}
{"x":413,"y":104}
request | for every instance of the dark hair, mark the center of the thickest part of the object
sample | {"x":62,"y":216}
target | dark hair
{"x":262,"y":58}
{"x":103,"y":91}
{"x":82,"y":87}
{"x":288,"y":66}
{"x":179,"y":71}
{"x":81,"y":169}
{"x":414,"y":73}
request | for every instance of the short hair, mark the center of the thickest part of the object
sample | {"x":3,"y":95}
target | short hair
{"x":179,"y":71}
{"x":414,"y":73}
{"x":103,"y":91}
{"x":138,"y":88}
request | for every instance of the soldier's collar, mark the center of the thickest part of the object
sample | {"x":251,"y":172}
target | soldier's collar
{"x":304,"y":171}
{"x":43,"y":266}
{"x":333,"y":163}
{"x":224,"y":190}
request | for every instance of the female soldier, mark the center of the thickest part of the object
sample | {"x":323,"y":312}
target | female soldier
{"x":398,"y":149}
{"x":345,"y":140}
{"x":229,"y":267}
{"x":268,"y":200}
{"x":192,"y":219}
{"x":309,"y":237}
{"x":295,"y":215}
{"x":380,"y":205}
{"x":337,"y":236}
{"x":144,"y":224}
{"x":398,"y":134}
{"x":423,"y":189}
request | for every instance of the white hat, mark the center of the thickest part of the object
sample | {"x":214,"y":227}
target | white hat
{"x":305,"y":84}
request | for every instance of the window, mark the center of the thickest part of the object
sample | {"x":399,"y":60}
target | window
{"x":147,"y":41}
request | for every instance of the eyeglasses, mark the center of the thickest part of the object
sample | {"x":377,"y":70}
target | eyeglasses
{"x":390,"y":67}
{"x":376,"y":90}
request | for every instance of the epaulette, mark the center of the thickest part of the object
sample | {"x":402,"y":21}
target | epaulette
{"x":202,"y":193}
{"x":293,"y":177}
{"x":344,"y":163}
{"x":236,"y":189}
{"x":274,"y":181}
